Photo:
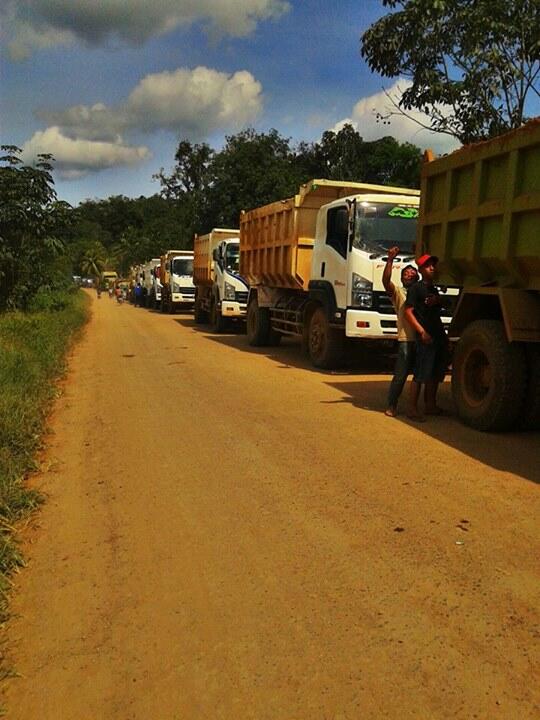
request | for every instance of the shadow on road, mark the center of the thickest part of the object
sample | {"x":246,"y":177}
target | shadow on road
{"x":363,"y":360}
{"x":517,"y":452}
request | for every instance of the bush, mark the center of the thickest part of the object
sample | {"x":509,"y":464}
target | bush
{"x":32,"y":355}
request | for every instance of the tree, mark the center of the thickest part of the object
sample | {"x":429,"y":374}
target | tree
{"x":251,"y":170}
{"x":472,"y":64}
{"x":93,"y":261}
{"x":32,"y":222}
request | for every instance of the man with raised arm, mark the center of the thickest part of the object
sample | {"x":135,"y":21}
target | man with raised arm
{"x":406,"y":335}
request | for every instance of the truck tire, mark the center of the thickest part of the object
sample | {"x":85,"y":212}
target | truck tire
{"x":488,"y":377}
{"x":258,"y":324}
{"x":218,"y":322}
{"x":326,"y":345}
{"x":531,"y":409}
{"x":200,"y":315}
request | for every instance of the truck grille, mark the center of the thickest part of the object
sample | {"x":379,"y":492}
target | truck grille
{"x":187,"y":291}
{"x":241,"y":297}
{"x":383,"y":304}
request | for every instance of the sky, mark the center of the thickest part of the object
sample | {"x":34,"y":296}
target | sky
{"x":109,"y":87}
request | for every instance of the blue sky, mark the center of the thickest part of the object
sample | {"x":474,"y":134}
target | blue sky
{"x":110,"y":87}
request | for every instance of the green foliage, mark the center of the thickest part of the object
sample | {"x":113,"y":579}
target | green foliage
{"x":208,"y":188}
{"x":32,"y":222}
{"x":255,"y":168}
{"x":32,"y":351}
{"x":472,"y":64}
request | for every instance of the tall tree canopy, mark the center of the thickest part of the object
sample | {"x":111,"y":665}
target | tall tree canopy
{"x":473,"y":64}
{"x":255,"y":168}
{"x":32,"y":224}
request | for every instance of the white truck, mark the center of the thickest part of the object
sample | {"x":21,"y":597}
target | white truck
{"x":147,"y":281}
{"x":221,"y":292}
{"x":154,"y":300}
{"x":176,"y":276}
{"x":314,"y":263}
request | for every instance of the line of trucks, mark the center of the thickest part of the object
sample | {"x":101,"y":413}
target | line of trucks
{"x":310,"y":266}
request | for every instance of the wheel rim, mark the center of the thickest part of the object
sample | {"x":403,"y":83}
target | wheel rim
{"x":477,"y":377}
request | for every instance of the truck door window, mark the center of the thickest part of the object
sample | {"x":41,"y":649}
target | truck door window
{"x":337,"y":229}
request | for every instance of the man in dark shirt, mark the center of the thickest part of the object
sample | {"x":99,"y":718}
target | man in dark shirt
{"x":423,"y":312}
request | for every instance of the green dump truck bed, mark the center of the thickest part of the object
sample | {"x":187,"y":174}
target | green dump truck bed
{"x":480,"y":212}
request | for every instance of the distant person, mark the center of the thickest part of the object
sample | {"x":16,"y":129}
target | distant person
{"x":406,"y":334}
{"x":138,"y":294}
{"x":423,"y":312}
{"x":110,"y":291}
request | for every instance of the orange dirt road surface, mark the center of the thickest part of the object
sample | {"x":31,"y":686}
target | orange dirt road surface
{"x":230,"y":534}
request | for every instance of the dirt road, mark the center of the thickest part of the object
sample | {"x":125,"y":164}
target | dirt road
{"x":230,"y":534}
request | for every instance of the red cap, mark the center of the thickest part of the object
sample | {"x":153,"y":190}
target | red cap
{"x":424,"y":259}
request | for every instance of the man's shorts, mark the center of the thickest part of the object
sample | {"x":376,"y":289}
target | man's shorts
{"x":431,"y":361}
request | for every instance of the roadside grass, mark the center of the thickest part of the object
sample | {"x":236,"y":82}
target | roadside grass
{"x":33,"y":348}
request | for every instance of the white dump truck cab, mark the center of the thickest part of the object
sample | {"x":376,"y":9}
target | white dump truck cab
{"x":222,"y":292}
{"x":147,"y":281}
{"x":155,"y":290}
{"x":231,"y":290}
{"x":353,"y":236}
{"x":178,"y":290}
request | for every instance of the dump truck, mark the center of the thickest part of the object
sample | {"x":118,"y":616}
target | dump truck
{"x":155,"y":291}
{"x":176,"y":275}
{"x":108,"y":278}
{"x":480,"y":215}
{"x":221,"y":292}
{"x":314,"y":263}
{"x":147,"y":281}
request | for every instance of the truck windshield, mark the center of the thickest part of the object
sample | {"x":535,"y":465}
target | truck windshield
{"x":232,"y":257}
{"x":380,"y":226}
{"x":182,"y":266}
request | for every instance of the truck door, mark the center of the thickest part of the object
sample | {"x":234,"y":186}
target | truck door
{"x":337,"y":243}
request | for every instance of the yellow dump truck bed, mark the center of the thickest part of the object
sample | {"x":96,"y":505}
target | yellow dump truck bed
{"x":276,"y":241}
{"x":480,"y":211}
{"x":203,"y":246}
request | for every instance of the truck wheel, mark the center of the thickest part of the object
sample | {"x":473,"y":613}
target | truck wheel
{"x":488,"y":377}
{"x":531,"y":410}
{"x":200,"y":315}
{"x":218,"y":322}
{"x":326,"y":345}
{"x":257,"y":324}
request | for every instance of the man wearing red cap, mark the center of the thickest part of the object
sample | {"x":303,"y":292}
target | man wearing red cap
{"x":423,"y":312}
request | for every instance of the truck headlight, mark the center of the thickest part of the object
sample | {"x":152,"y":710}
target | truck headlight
{"x":175,"y":287}
{"x":362,"y":292}
{"x":229,"y":293}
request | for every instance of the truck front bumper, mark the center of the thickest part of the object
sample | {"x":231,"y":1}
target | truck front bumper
{"x":180,"y":299}
{"x":373,"y":325}
{"x":230,"y":308}
{"x":370,"y":325}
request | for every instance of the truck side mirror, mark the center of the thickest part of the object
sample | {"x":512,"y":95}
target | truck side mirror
{"x":215,"y":254}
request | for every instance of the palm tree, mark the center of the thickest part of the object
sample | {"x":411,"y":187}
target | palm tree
{"x":93,"y":261}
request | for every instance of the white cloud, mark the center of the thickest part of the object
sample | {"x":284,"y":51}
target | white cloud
{"x":34,"y":24}
{"x":189,"y":102}
{"x":364,"y":118}
{"x":77,"y":157}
